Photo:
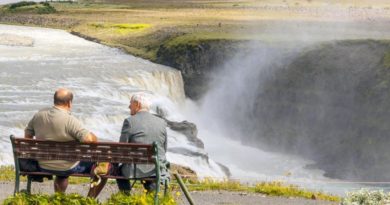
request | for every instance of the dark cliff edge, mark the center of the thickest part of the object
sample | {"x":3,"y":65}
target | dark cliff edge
{"x":198,"y":60}
{"x":330,"y":104}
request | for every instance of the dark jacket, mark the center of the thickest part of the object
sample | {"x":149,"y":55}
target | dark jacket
{"x":146,"y":128}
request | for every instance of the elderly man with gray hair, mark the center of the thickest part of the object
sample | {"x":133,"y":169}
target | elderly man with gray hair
{"x":142,"y":127}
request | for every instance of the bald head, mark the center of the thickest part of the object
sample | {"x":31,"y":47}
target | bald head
{"x":63,"y":96}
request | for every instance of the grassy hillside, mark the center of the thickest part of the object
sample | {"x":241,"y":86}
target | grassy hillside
{"x":141,"y":26}
{"x":145,"y":27}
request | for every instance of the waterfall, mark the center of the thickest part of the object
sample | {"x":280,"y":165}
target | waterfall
{"x":102,"y":80}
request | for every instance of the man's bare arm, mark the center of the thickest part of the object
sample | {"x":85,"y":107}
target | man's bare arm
{"x":29,"y":132}
{"x":90,"y":137}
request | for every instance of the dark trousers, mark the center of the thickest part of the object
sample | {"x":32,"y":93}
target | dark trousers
{"x":125,"y":186}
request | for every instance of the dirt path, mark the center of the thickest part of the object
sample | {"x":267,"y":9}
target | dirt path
{"x":203,"y":198}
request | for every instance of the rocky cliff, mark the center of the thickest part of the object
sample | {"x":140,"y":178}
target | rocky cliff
{"x":329,"y":103}
{"x":197,"y":60}
{"x":332,"y":105}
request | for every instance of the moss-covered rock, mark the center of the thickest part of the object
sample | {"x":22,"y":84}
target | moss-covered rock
{"x":197,"y":59}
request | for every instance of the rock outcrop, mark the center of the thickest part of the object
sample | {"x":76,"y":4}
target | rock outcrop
{"x":190,"y":131}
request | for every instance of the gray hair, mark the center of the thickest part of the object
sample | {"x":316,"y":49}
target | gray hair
{"x":142,"y":99}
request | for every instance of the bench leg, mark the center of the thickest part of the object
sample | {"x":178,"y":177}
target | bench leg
{"x":17,"y":182}
{"x":29,"y":179}
{"x":184,"y":188}
{"x":158,"y":181}
{"x":165,"y":187}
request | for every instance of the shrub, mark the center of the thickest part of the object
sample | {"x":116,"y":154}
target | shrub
{"x":366,"y":197}
{"x":30,"y":6}
{"x":46,"y":9}
{"x":21,"y":4}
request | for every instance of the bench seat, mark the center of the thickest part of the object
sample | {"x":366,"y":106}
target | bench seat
{"x":128,"y":153}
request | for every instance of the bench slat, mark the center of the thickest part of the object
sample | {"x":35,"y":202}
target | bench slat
{"x":135,"y":152}
{"x":71,"y":151}
{"x":65,"y":155}
{"x":84,"y":175}
{"x":117,"y":144}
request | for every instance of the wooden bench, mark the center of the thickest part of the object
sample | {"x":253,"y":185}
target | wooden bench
{"x":128,"y":153}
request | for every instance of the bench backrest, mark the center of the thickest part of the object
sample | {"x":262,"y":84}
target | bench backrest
{"x":89,"y":152}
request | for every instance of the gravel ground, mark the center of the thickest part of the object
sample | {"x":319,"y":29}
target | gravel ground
{"x":202,"y":198}
{"x":235,"y":198}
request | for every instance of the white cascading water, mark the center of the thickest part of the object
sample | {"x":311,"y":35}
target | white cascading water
{"x":102,"y":80}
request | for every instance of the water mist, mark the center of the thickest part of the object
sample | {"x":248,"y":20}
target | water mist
{"x":292,"y":106}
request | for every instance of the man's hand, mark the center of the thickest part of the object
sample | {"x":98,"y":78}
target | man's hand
{"x":90,"y":137}
{"x":28,"y":136}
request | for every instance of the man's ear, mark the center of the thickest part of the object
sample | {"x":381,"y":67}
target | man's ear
{"x":138,"y":105}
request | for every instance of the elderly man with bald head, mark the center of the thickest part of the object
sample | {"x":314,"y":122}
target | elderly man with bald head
{"x":142,"y":127}
{"x":57,"y":124}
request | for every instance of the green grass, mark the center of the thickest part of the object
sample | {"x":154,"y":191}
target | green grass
{"x":141,"y":27}
{"x":209,"y":184}
{"x":76,"y":199}
{"x":268,"y":188}
{"x":8,"y":175}
{"x":195,"y":38}
{"x":281,"y":189}
{"x":140,"y":199}
{"x":122,"y":29}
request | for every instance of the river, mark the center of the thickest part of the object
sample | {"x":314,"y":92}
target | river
{"x":103,"y":79}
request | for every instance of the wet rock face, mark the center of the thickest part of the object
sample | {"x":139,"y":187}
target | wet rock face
{"x":190,"y":131}
{"x":198,"y":61}
{"x":332,"y":104}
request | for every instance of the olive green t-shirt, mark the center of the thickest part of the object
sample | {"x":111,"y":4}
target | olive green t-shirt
{"x":56,"y":124}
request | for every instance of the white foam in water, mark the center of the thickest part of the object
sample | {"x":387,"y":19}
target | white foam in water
{"x":251,"y":165}
{"x":102,"y":79}
{"x":203,"y":168}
